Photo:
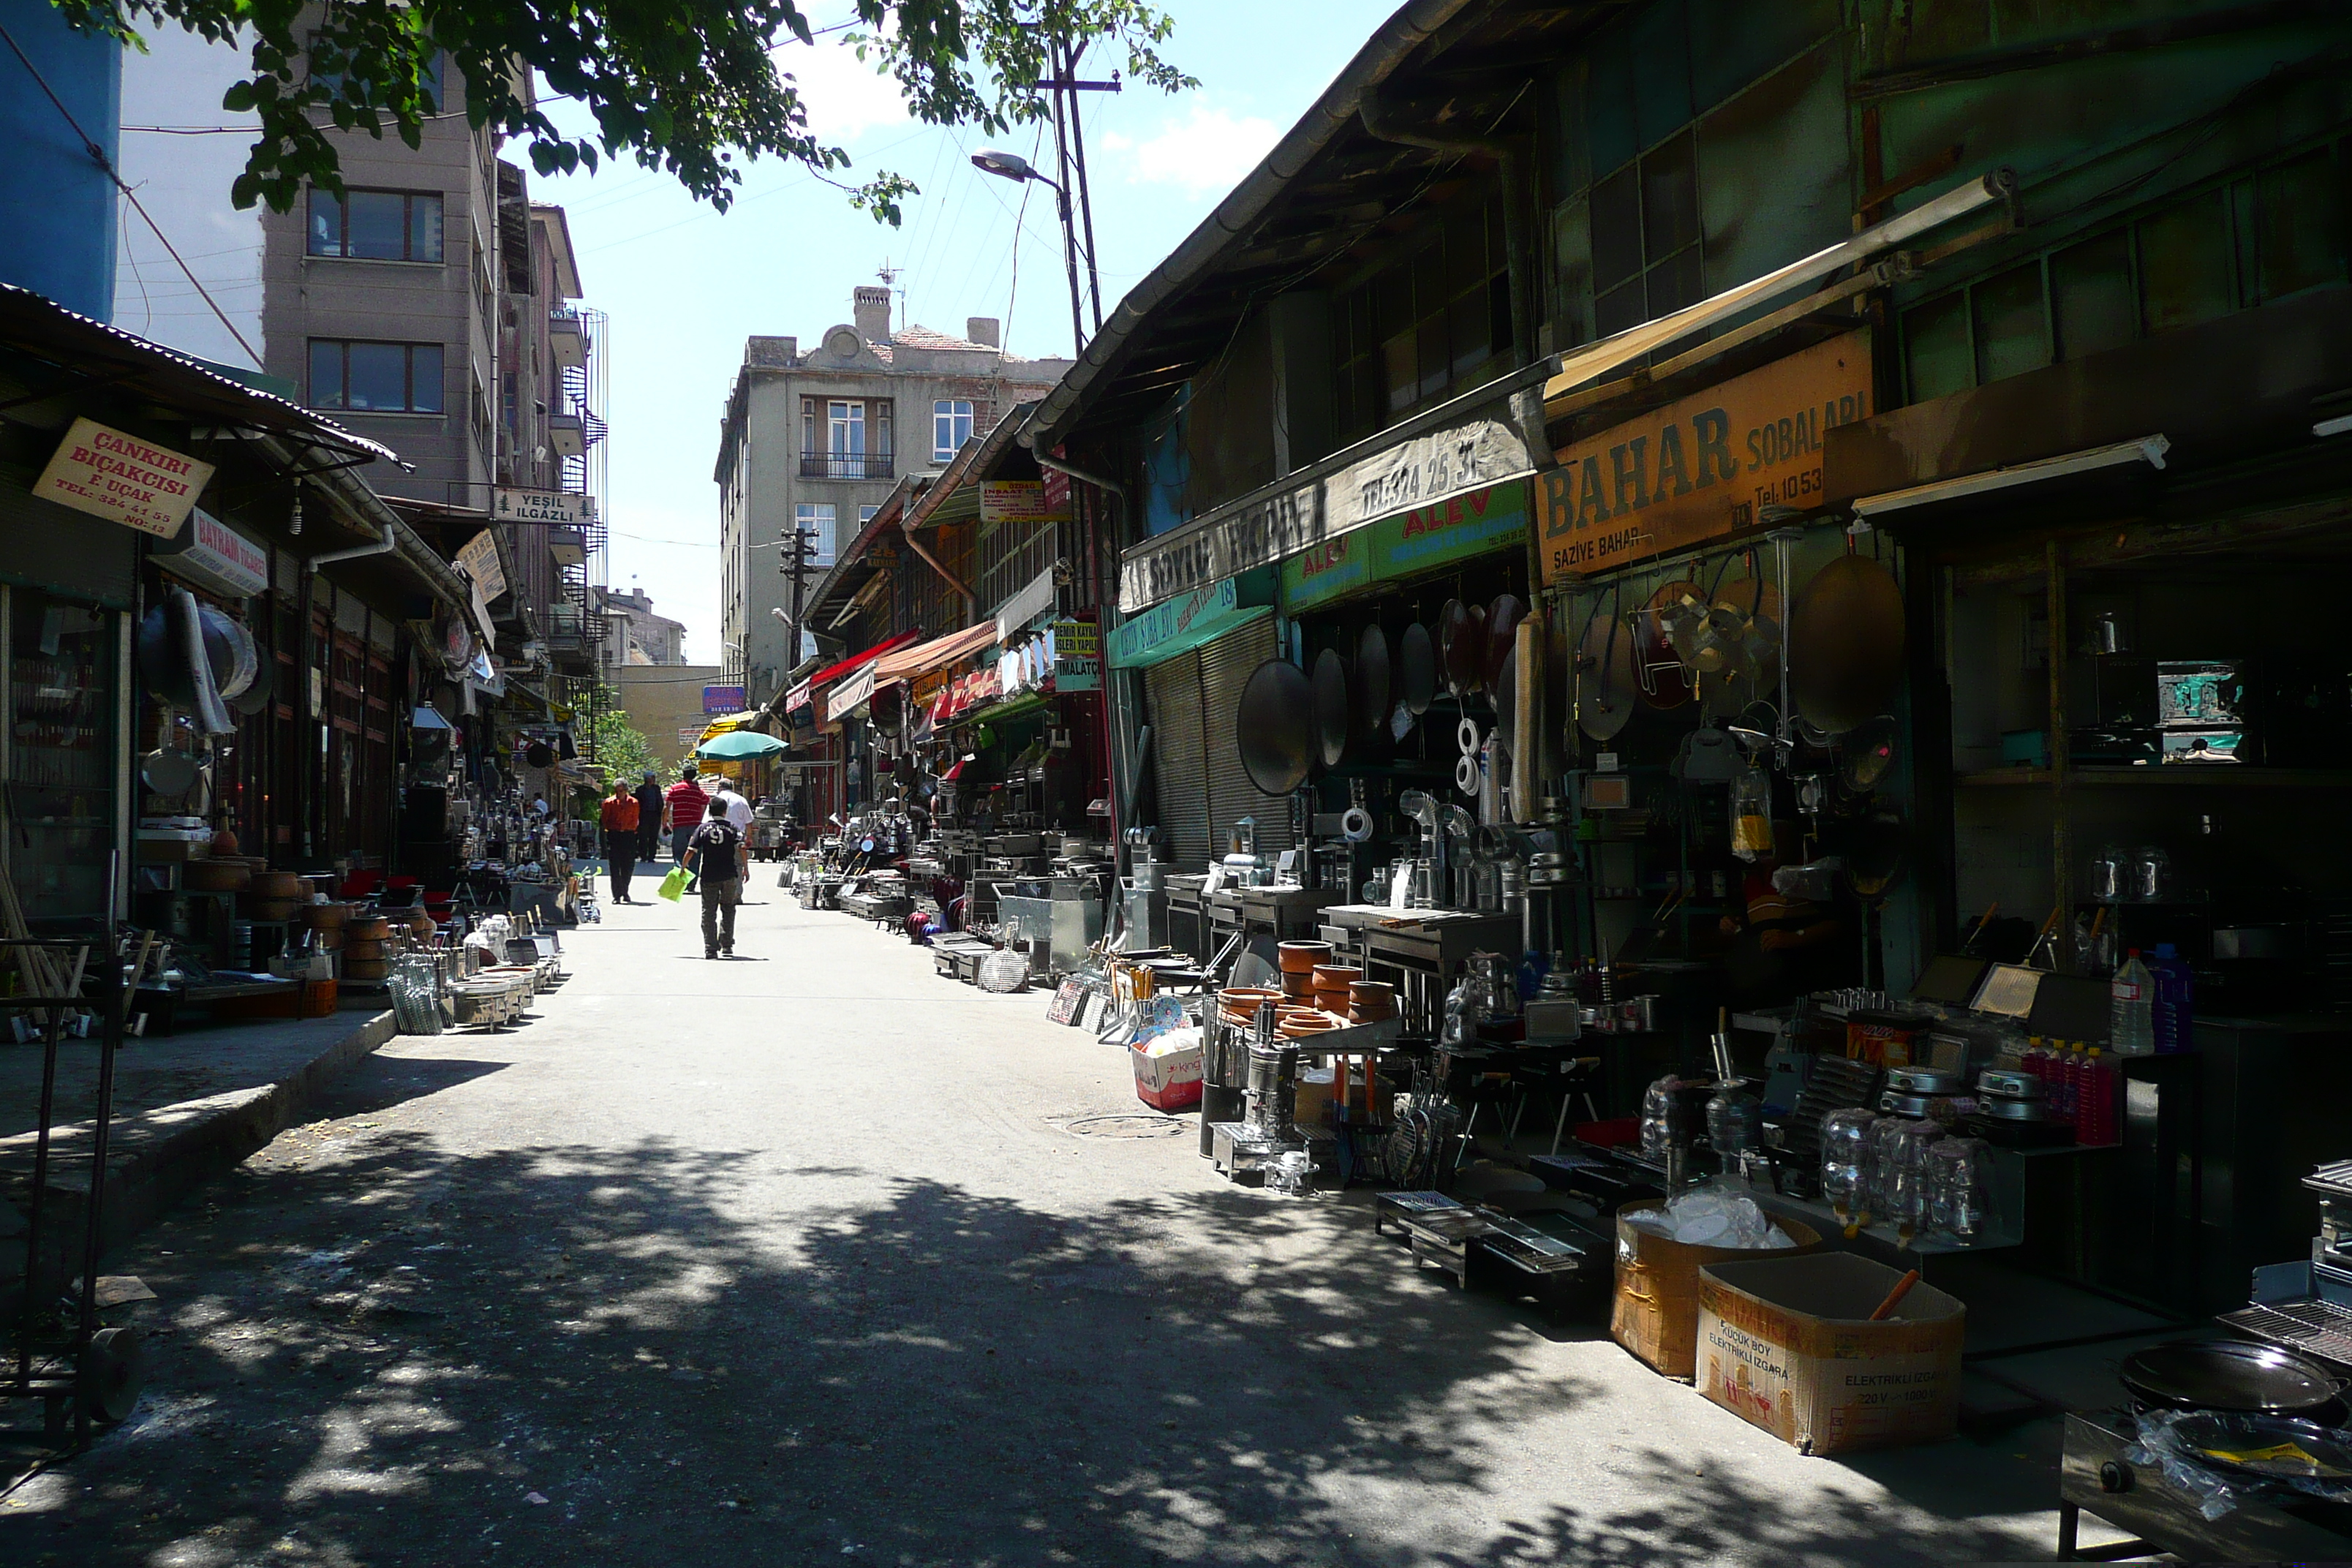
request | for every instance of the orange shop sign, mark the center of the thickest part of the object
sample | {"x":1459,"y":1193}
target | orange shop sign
{"x":113,"y":474}
{"x":1707,"y":467}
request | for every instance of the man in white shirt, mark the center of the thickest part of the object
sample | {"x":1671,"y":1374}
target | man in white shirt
{"x":738,"y":814}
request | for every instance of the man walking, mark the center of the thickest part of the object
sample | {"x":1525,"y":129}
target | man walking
{"x":618,"y":817}
{"x":683,"y":810}
{"x":738,"y":815}
{"x":713,"y":854}
{"x":649,"y":818}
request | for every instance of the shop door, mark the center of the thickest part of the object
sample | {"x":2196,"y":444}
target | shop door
{"x":1178,"y":758}
{"x":61,"y":753}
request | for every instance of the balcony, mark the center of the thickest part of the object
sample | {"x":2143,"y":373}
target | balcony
{"x":566,"y":436}
{"x":567,"y":338}
{"x":849,"y":466}
{"x":568,"y":546}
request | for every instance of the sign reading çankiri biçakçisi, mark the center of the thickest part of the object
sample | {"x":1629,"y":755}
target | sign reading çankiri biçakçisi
{"x":1704,"y":468}
{"x":115,"y":475}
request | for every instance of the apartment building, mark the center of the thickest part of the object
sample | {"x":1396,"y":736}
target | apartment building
{"x":635,"y":635}
{"x":433,"y":306}
{"x":816,"y":440}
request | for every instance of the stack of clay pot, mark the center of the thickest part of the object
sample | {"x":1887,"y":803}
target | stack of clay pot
{"x":274,"y":896}
{"x":1298,"y":960}
{"x":367,"y":947}
{"x":1331,"y":983}
{"x":1371,"y":1001}
{"x":1239,"y":1004}
{"x":327,"y":923}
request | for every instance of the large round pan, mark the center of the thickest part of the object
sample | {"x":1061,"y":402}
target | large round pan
{"x":1331,"y":707}
{"x":1275,"y":727}
{"x":1462,"y":643}
{"x":1371,"y":686}
{"x":1502,"y":618}
{"x":2227,"y":1374}
{"x":1416,"y":673}
{"x":1846,"y":644}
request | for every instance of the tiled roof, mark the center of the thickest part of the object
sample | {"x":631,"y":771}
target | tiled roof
{"x":921,"y":337}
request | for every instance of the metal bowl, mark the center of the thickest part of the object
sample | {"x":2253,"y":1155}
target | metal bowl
{"x":2226,"y":1375}
{"x":1926,"y":1080}
{"x":2000,"y":1109}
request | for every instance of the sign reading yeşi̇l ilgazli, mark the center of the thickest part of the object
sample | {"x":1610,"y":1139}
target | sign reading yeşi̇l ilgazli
{"x":1409,"y":543}
{"x":1703,"y":467}
{"x":122,"y":478}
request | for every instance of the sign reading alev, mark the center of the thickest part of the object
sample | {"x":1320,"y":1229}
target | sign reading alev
{"x":1709,"y":465}
{"x":115,"y":475}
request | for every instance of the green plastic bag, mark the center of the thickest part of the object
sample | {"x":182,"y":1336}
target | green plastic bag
{"x":673,"y":887}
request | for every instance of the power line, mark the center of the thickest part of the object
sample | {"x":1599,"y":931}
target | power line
{"x":98,"y":155}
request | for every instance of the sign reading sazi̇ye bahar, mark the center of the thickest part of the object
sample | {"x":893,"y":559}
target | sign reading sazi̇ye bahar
{"x":1707,"y":467}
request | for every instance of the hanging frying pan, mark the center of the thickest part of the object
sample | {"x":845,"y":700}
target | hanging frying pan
{"x":1664,"y":682}
{"x":1331,"y":707}
{"x":1416,"y":674}
{"x":1371,"y":686}
{"x":1869,"y":755}
{"x":1502,"y":618}
{"x":1604,"y":688}
{"x":1878,"y":853}
{"x":1846,"y":644}
{"x":168,"y":772}
{"x":1275,"y":727}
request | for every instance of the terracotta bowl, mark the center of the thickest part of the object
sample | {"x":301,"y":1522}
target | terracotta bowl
{"x":1336,"y":976}
{"x":1301,"y":957}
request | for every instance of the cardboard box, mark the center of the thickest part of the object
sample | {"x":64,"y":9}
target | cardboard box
{"x":1786,"y":1343}
{"x":1654,"y":1312}
{"x":1168,"y":1078}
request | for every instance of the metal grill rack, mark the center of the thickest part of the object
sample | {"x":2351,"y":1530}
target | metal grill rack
{"x":2315,"y":1328}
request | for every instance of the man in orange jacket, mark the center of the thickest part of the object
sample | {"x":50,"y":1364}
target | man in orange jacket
{"x":618,"y":817}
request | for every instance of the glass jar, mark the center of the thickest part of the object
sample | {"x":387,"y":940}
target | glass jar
{"x":1735,"y":1125}
{"x":1958,"y":1187}
{"x":1878,"y":1166}
{"x":1845,"y":1147}
{"x":1907,"y":1191}
{"x":1662,"y":1118}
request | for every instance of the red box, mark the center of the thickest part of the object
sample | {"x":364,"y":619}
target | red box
{"x":1169,"y":1080}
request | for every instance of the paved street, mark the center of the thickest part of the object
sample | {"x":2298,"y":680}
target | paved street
{"x":812,"y":1256}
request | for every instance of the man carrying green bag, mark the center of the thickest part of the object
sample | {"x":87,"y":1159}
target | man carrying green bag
{"x":715,"y":856}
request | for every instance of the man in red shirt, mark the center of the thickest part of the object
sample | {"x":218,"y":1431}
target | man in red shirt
{"x":618,"y":817}
{"x":684,"y":806}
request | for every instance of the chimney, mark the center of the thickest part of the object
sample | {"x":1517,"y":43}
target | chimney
{"x":870,"y":309}
{"x":980,"y":330}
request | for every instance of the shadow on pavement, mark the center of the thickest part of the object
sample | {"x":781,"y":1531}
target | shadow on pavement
{"x":381,"y":1353}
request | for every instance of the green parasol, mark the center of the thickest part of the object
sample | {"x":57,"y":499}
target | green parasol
{"x":739,"y":745}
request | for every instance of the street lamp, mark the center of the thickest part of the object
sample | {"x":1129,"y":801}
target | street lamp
{"x":1012,"y":167}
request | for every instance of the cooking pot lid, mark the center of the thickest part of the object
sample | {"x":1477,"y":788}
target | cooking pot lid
{"x":1604,"y":695}
{"x":1846,"y":644}
{"x":1417,"y":669}
{"x":1371,"y":686}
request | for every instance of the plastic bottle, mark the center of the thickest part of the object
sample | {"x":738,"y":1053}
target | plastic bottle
{"x":2097,"y":1125}
{"x":2036,"y":1060}
{"x":2176,"y":989}
{"x":2131,"y":1009}
{"x":2065,"y":1097}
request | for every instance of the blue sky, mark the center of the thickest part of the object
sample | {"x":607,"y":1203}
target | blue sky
{"x":684,"y":286}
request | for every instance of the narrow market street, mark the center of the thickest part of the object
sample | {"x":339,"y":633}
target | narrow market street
{"x":812,"y":1256}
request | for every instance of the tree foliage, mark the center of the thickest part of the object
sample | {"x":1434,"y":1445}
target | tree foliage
{"x":698,"y":89}
{"x":616,"y":745}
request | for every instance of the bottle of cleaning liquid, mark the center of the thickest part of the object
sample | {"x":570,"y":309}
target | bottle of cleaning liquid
{"x":2175,"y":988}
{"x":2131,"y":1009}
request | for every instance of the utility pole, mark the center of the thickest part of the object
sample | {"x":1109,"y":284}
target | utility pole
{"x":800,"y":554}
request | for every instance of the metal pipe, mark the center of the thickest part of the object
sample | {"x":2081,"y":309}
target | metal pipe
{"x":385,"y":545}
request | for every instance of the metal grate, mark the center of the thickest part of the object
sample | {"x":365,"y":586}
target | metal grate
{"x":2315,"y":1328}
{"x":2332,"y":1181}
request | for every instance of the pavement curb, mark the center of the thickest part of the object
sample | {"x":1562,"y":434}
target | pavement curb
{"x":156,"y":1170}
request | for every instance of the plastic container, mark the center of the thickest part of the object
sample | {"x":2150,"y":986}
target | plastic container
{"x":1845,"y":1151}
{"x":1958,"y":1187}
{"x":1879,"y":1167}
{"x":2131,"y":1008}
{"x":2175,"y":1014}
{"x":1662,"y":1118}
{"x":2098,"y":1120}
{"x":1907,"y":1187}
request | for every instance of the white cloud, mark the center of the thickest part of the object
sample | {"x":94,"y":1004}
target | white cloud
{"x":1208,"y":152}
{"x":844,"y":95}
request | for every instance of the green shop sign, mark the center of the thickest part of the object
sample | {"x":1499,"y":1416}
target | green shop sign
{"x":1407,"y":544}
{"x":1181,"y":624}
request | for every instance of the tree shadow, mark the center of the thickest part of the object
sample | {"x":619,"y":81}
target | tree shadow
{"x":381,"y":1353}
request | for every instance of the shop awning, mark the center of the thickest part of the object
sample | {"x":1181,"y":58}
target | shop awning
{"x":832,"y":672}
{"x":936,"y":654}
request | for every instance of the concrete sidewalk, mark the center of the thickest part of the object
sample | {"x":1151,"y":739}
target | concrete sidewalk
{"x":186,"y":1108}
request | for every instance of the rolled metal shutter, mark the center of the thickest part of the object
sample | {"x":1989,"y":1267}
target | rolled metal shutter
{"x":1226,"y":668}
{"x":1179,"y":762}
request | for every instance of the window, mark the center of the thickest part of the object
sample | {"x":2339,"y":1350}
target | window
{"x":375,"y":378}
{"x":865,"y":516}
{"x":1425,"y":323}
{"x":377,"y":225}
{"x":951,"y":427}
{"x":817,"y":517}
{"x":845,"y":438}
